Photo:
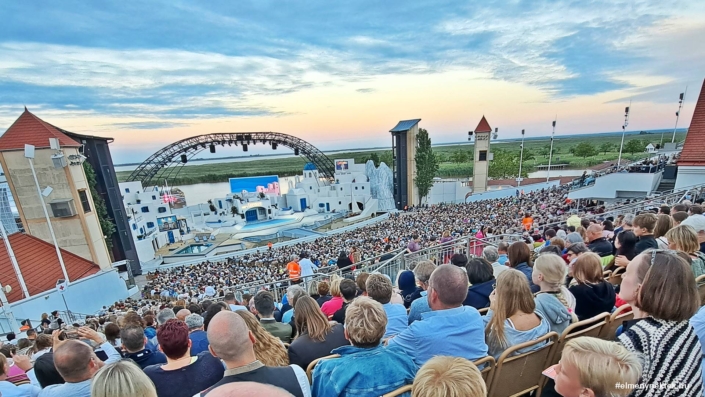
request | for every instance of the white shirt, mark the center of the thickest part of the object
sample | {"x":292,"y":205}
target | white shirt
{"x":306,"y":267}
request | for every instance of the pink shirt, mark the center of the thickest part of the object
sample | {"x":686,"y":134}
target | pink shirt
{"x":329,"y":308}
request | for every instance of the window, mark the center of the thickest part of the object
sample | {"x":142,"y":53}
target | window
{"x":84,"y":201}
{"x":144,"y":209}
{"x":62,"y":208}
{"x":310,"y":188}
{"x":355,"y":187}
{"x":127,"y":190}
{"x":161,"y":210}
{"x":154,"y":197}
{"x":363,"y":188}
{"x":150,"y":224}
{"x":340,"y":202}
{"x":483,"y":155}
{"x":134,"y":226}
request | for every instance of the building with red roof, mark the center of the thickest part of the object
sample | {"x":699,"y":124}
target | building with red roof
{"x":691,"y":164}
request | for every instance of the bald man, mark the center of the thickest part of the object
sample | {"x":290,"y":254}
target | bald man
{"x":597,"y":242}
{"x":459,"y":327}
{"x":248,"y":389}
{"x":232,"y":341}
{"x":77,"y":364}
{"x":182,"y":314}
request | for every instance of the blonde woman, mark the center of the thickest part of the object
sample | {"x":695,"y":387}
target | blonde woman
{"x":449,"y":377}
{"x":122,"y":379}
{"x":553,"y":299}
{"x":513,"y":318}
{"x":268,"y":349}
{"x":336,"y":302}
{"x":684,"y":238}
{"x":595,"y":367}
{"x":316,"y":336}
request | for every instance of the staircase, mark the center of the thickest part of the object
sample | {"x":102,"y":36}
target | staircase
{"x":666,"y":185}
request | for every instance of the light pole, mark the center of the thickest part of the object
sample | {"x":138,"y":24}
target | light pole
{"x":624,"y":129}
{"x":678,"y":113}
{"x":550,"y":154}
{"x":29,"y":154}
{"x":521,"y":159}
{"x":13,"y":259}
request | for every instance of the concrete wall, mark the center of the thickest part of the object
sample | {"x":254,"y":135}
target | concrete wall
{"x":448,"y":192}
{"x":79,"y":234}
{"x":495,"y":194}
{"x":85,"y":296}
{"x":619,"y":185}
{"x":689,"y":176}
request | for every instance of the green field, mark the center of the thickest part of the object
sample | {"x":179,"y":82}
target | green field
{"x":451,"y":162}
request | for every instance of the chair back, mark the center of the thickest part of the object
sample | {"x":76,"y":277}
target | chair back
{"x":517,"y":375}
{"x":615,"y":278}
{"x":487,"y":372}
{"x":309,"y":369}
{"x":399,"y":391}
{"x":700,"y":282}
{"x":590,"y":327}
{"x":483,"y":311}
{"x":623,"y":313}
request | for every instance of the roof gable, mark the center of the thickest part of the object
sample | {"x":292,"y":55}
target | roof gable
{"x":405,"y":125}
{"x":30,"y":129}
{"x":693,"y":153}
{"x":483,"y":126}
{"x":39,"y":265}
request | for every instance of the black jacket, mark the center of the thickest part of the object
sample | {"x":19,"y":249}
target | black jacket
{"x":593,"y":299}
{"x":146,"y":358}
{"x":303,"y":349}
{"x":645,"y":243}
{"x":601,"y":247}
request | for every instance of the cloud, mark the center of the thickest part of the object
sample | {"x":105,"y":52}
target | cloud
{"x":147,"y":125}
{"x":365,"y":90}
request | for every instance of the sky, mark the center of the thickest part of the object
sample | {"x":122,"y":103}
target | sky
{"x":341,"y":74}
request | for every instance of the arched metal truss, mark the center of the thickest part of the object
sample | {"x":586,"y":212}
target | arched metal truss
{"x":166,"y":163}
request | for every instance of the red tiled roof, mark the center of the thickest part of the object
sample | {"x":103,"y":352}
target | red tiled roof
{"x":484,"y":126}
{"x":30,"y":129}
{"x":39,"y":265}
{"x":693,"y":153}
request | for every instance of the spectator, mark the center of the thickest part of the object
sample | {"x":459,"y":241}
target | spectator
{"x":323,"y":293}
{"x":316,"y":336}
{"x":248,"y":389}
{"x":264,"y":303}
{"x":361,"y":282}
{"x":294,"y":270}
{"x":594,"y":367}
{"x":292,"y":293}
{"x":231,"y":341}
{"x":697,"y":222}
{"x":513,"y":318}
{"x":502,"y":249}
{"x":313,"y":290}
{"x":406,"y":281}
{"x":459,"y":260}
{"x":459,"y":327}
{"x":365,"y":365}
{"x":625,"y":245}
{"x":349,"y":290}
{"x":449,"y":377}
{"x":664,"y":338}
{"x":422,"y":271}
{"x":211,"y":312}
{"x":344,"y":261}
{"x":413,"y":244}
{"x":336,"y":302}
{"x":644,"y":225}
{"x":307,"y":267}
{"x":593,"y":295}
{"x":491,"y":254}
{"x":679,"y":217}
{"x":520,"y":259}
{"x":232,"y":303}
{"x":380,"y":289}
{"x":683,"y":238}
{"x":574,"y":251}
{"x":165,"y":315}
{"x":9,"y":389}
{"x":182,"y":375}
{"x":597,"y":243}
{"x":198,"y":337}
{"x":553,"y":299}
{"x":112,"y":334}
{"x":664,"y":223}
{"x":181,"y":314}
{"x":133,"y":342}
{"x":268,"y":349}
{"x":122,"y":379}
{"x":481,"y":280}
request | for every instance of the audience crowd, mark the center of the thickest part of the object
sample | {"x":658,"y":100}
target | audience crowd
{"x":367,"y":334}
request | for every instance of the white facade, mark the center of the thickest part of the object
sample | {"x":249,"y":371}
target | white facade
{"x":144,"y":207}
{"x":619,"y":185}
{"x":689,"y":176}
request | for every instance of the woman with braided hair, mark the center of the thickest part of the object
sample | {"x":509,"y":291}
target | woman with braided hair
{"x":553,"y":299}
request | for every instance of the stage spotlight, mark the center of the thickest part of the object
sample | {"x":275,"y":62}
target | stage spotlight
{"x":244,"y":147}
{"x":274,"y":146}
{"x":296,"y":151}
{"x":240,"y":137}
{"x":184,"y":159}
{"x":230,"y":143}
{"x":212,"y":148}
{"x":248,"y":137}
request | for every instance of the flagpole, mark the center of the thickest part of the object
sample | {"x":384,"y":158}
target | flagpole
{"x":550,"y":154}
{"x":678,"y":113}
{"x":624,"y":129}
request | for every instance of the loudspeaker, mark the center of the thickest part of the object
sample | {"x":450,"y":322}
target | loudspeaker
{"x":184,"y":159}
{"x":244,"y":147}
{"x":296,"y":152}
{"x":212,"y":148}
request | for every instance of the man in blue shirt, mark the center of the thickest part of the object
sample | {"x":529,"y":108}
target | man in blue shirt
{"x":422,"y":271}
{"x":502,"y":251}
{"x":380,"y":289}
{"x":450,"y":329}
